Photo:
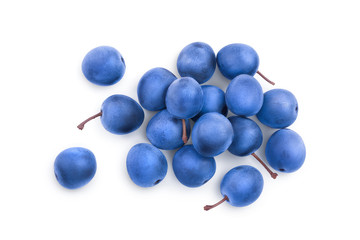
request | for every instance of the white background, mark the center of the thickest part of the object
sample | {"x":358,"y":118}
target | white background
{"x":311,"y":48}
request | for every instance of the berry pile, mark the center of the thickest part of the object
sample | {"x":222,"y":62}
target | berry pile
{"x":180,"y":99}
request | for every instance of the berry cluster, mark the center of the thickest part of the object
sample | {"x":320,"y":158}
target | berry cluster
{"x":180,"y":99}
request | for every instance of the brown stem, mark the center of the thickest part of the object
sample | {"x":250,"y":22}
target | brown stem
{"x":184,"y":137}
{"x":266,"y":79}
{"x":81,"y":125}
{"x":273,"y":175}
{"x":208,"y":207}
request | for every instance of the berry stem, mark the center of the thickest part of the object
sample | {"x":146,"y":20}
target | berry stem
{"x":265,"y":78}
{"x":208,"y":207}
{"x":184,"y":137}
{"x":81,"y":125}
{"x":273,"y":175}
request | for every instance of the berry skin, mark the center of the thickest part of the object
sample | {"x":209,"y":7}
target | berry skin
{"x":75,"y":167}
{"x":247,"y":136}
{"x":237,"y":58}
{"x":247,"y":139}
{"x":152,"y":88}
{"x":279,"y":110}
{"x":285,"y":151}
{"x":244,"y":96}
{"x":192,"y":169}
{"x":197,"y":60}
{"x":146,"y":165}
{"x":214,"y":101}
{"x":164,"y":131}
{"x":184,"y":98}
{"x":212,"y":134}
{"x":119,"y":114}
{"x":240,"y":187}
{"x":103,"y":66}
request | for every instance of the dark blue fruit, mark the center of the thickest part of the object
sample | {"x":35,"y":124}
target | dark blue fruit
{"x":197,"y":60}
{"x":146,"y":165}
{"x":75,"y":167}
{"x":184,"y":98}
{"x":165,"y":131}
{"x":285,"y":151}
{"x":236,"y":59}
{"x":119,"y":114}
{"x":240,"y":187}
{"x":152,"y":88}
{"x":103,"y":66}
{"x":279,"y":110}
{"x":214,"y":101}
{"x":244,"y":96}
{"x":192,"y":169}
{"x":247,"y":139}
{"x":212,"y":134}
